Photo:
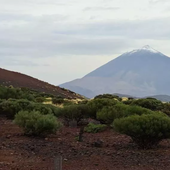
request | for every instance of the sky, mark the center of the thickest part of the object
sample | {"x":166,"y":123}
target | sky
{"x":61,"y":40}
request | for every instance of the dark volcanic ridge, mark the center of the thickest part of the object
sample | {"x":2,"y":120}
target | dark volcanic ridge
{"x":16,"y":79}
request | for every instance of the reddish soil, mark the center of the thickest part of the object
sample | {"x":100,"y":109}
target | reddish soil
{"x":15,"y":79}
{"x":19,"y":152}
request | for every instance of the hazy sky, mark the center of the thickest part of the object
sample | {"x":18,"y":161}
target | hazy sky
{"x":61,"y":40}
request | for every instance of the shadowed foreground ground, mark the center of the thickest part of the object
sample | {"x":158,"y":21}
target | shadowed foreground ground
{"x":18,"y":152}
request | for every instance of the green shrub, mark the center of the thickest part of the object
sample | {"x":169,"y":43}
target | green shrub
{"x":74,"y":112}
{"x":15,"y":93}
{"x":42,"y":108}
{"x":108,"y":96}
{"x":34,"y":123}
{"x":97,"y":104}
{"x":149,"y":103}
{"x":57,"y":100}
{"x":145,"y":130}
{"x":132,"y":110}
{"x":68,"y":103}
{"x":12,"y":107}
{"x":9,"y":108}
{"x":166,"y":108}
{"x":94,"y":128}
{"x":83,"y":101}
{"x":56,"y":111}
{"x":108,"y":114}
{"x":40,"y":99}
{"x":127,"y":102}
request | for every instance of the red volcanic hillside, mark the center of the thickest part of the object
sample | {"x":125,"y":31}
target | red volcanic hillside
{"x":16,"y":79}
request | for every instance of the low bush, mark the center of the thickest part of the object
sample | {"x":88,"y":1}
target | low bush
{"x":108,"y":96}
{"x":40,"y":99}
{"x":14,"y":93}
{"x":94,"y":128}
{"x":149,"y":103}
{"x":145,"y":130}
{"x":166,"y":108}
{"x":34,"y":123}
{"x":97,"y":104}
{"x":12,"y":107}
{"x":57,"y":100}
{"x":108,"y":114}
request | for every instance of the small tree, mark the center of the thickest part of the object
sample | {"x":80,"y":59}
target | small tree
{"x":145,"y":130}
{"x":74,"y":112}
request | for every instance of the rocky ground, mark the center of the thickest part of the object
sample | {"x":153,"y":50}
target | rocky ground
{"x":117,"y":152}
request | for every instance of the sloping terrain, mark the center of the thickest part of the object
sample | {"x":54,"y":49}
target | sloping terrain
{"x":142,"y":72}
{"x":15,"y":79}
{"x":163,"y":98}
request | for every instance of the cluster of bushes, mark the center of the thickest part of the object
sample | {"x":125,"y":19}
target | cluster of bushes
{"x":15,"y":93}
{"x":149,"y":103}
{"x":11,"y":107}
{"x":109,"y":114}
{"x":25,"y":93}
{"x":146,"y":121}
{"x":108,"y":96}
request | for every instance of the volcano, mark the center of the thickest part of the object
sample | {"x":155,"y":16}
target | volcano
{"x":141,"y":72}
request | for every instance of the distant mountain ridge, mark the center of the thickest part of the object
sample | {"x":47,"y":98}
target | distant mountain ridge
{"x":163,"y":98}
{"x":16,"y":79}
{"x":142,"y":72}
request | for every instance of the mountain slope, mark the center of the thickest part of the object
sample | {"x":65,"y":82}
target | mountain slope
{"x":141,"y":72}
{"x":163,"y":98}
{"x":15,"y":79}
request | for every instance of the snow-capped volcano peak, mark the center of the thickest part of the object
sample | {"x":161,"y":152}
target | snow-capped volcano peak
{"x":148,"y":48}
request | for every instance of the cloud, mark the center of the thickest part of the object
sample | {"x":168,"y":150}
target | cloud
{"x":157,"y":1}
{"x":101,"y":8}
{"x":16,"y":62}
{"x":38,"y":32}
{"x":48,"y":35}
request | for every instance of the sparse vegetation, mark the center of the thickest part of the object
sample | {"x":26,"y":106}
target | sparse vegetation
{"x":94,"y":128}
{"x":132,"y":117}
{"x":57,"y":100}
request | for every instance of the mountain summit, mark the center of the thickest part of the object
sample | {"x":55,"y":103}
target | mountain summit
{"x":141,"y":72}
{"x":147,"y":48}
